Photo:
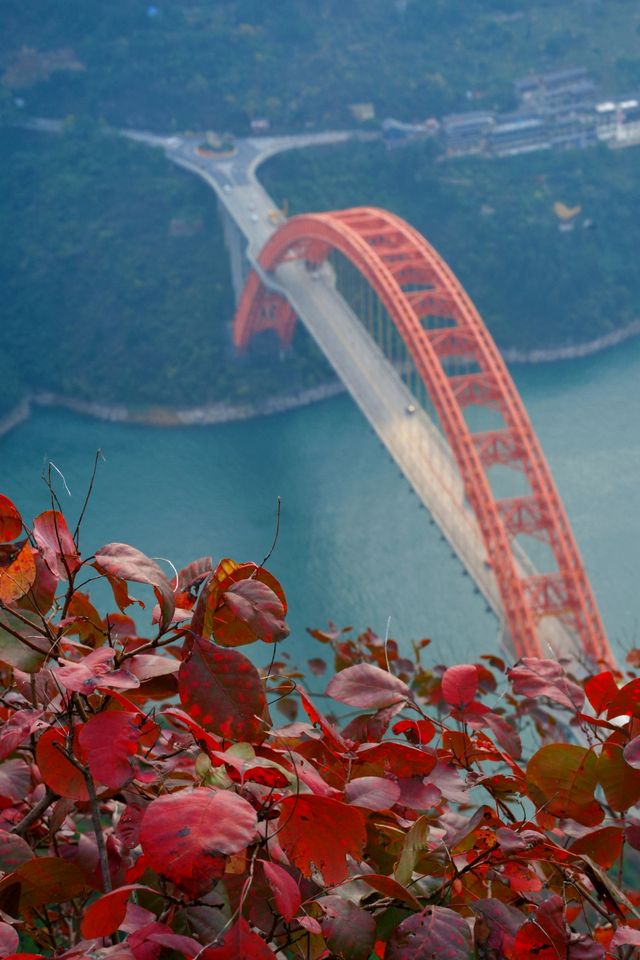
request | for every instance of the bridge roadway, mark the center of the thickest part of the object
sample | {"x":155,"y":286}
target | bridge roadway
{"x":412,"y":439}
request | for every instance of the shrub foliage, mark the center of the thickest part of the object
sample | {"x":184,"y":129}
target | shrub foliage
{"x":162,"y":797}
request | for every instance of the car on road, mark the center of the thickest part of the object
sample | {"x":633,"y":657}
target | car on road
{"x":410,"y":408}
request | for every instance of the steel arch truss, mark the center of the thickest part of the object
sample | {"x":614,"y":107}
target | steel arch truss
{"x":413,"y":282}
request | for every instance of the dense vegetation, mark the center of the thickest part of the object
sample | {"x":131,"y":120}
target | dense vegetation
{"x":300,"y":62}
{"x":105,"y":235}
{"x":472,"y":812}
{"x":493,"y":221}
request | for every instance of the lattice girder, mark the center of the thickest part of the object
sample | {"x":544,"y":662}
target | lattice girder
{"x":410,"y":278}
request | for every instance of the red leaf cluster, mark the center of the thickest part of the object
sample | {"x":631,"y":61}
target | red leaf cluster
{"x":131,"y":827}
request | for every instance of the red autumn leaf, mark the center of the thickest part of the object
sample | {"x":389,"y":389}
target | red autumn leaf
{"x":626,"y":701}
{"x":623,"y":936}
{"x":459,"y":685}
{"x":496,"y":927}
{"x":55,"y":769}
{"x":145,"y":666}
{"x":632,"y":753}
{"x":126,"y":563}
{"x":15,"y":781}
{"x":547,"y":937}
{"x":619,"y":780}
{"x":193,"y":574}
{"x":239,"y":942}
{"x":389,"y":887}
{"x":16,"y":730}
{"x":188,"y":836}
{"x":534,"y":677}
{"x":249,"y":611}
{"x":320,"y":832}
{"x":56,"y":544}
{"x":367,"y":686}
{"x":373,"y":793}
{"x":9,"y":939}
{"x":434,"y":932}
{"x":105,"y":915}
{"x":317,"y":666}
{"x":398,"y":759}
{"x":222,"y":690}
{"x":17,"y":572}
{"x":46,"y":880}
{"x":348,"y":930}
{"x":14,"y":851}
{"x":109,"y":740}
{"x":603,"y":846}
{"x":562,"y":778}
{"x":94,"y":671}
{"x":286,"y":892}
{"x":601,"y":690}
{"x":333,"y":737}
{"x":10,"y":520}
{"x":416,"y":731}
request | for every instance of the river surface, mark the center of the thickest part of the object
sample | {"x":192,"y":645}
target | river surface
{"x":354,"y":544}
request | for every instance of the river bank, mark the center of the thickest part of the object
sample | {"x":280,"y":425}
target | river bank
{"x":205,"y":415}
{"x":575,"y":351}
{"x":209,"y":414}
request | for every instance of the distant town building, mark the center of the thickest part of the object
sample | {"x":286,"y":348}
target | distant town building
{"x":260,"y":125}
{"x":467,"y":133}
{"x":361,"y":112}
{"x":395,"y":133}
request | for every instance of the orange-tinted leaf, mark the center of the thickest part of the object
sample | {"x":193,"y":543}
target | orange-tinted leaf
{"x":56,"y":543}
{"x":603,"y":846}
{"x":434,"y":932}
{"x":187,"y":836}
{"x":367,"y":686}
{"x":222,"y":690}
{"x":534,"y":677}
{"x":249,"y":611}
{"x":389,"y":887}
{"x":562,"y":778}
{"x":286,"y":892}
{"x":320,"y":832}
{"x":620,"y":782}
{"x":104,"y":916}
{"x":126,"y":563}
{"x":55,"y":769}
{"x":46,"y":880}
{"x":17,"y":572}
{"x":10,"y":520}
{"x":459,"y":685}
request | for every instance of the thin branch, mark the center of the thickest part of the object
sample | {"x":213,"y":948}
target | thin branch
{"x":275,"y":539}
{"x":35,"y":813}
{"x":76,"y":533}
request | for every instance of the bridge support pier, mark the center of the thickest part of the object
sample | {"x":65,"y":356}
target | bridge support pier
{"x":236,"y":244}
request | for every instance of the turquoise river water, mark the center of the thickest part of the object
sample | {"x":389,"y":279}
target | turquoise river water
{"x":354,"y":545}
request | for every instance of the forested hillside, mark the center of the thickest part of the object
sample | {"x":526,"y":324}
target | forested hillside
{"x":115,"y":279}
{"x":299,"y":62}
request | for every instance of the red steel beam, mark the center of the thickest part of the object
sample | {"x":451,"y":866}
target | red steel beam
{"x":392,"y":255}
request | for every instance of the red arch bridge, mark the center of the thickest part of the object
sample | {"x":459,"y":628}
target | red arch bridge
{"x":409,"y":344}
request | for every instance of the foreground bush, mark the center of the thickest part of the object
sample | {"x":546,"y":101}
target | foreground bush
{"x":230,"y":827}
